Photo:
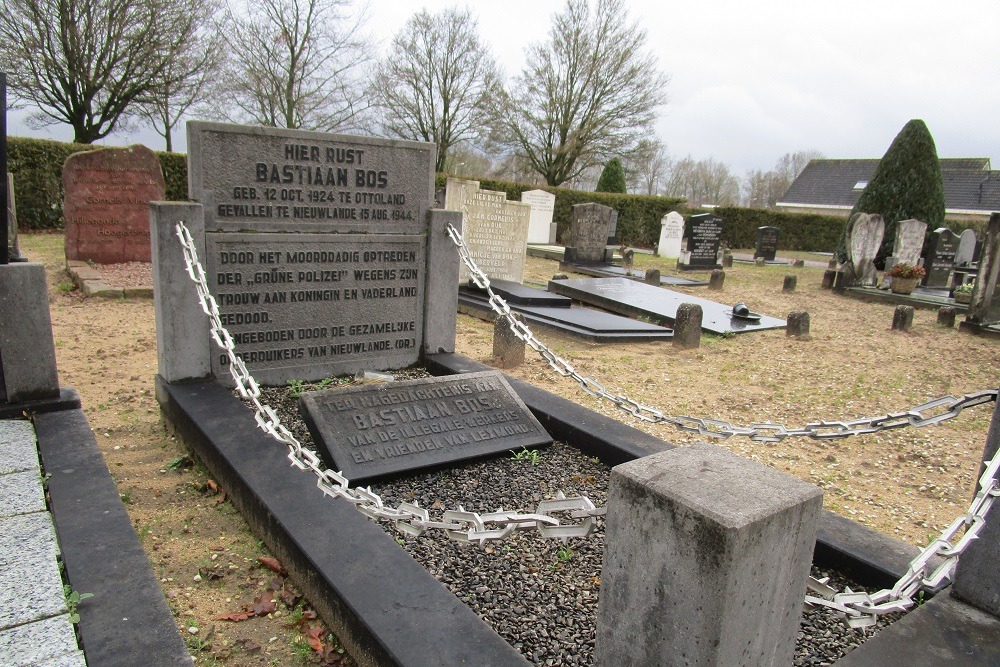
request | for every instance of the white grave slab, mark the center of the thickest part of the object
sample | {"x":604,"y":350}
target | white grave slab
{"x":541,"y":229}
{"x":671,"y":233}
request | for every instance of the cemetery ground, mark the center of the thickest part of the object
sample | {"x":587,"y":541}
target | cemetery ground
{"x":906,"y":483}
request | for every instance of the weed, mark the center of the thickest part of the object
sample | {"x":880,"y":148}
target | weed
{"x":565,"y":554}
{"x":180,"y":462}
{"x":126,"y":496}
{"x":66,"y":287}
{"x":73,"y":599}
{"x":296,"y":388}
{"x":530,"y":455}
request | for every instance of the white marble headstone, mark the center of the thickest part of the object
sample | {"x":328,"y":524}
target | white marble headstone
{"x":671,"y":233}
{"x":541,"y":229}
{"x":966,"y":248}
{"x":909,"y":241}
{"x":864,"y":234}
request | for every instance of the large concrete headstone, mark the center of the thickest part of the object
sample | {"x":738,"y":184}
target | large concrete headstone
{"x":941,"y":251}
{"x":589,"y":231}
{"x":864,"y":238}
{"x":704,"y":235}
{"x":767,"y":243}
{"x":107,"y":203}
{"x":966,"y":252}
{"x":496,"y":230}
{"x":909,"y":241}
{"x":541,"y":229}
{"x":300,"y":302}
{"x":671,"y":233}
{"x":368,"y":432}
{"x":985,"y":306}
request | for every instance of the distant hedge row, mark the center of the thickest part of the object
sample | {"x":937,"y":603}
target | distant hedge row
{"x":37,"y":168}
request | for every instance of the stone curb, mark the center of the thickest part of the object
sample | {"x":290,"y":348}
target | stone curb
{"x":89,"y":280}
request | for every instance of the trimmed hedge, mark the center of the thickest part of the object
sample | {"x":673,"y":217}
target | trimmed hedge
{"x":37,"y":166}
{"x":799,"y":231}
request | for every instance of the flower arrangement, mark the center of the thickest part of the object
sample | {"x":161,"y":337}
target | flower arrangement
{"x":965,"y":289}
{"x":904,"y":270}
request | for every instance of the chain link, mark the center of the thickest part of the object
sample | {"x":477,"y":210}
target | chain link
{"x":859,"y":609}
{"x":558,"y":518}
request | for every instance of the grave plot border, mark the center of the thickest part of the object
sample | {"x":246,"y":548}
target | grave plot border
{"x":384,"y":606}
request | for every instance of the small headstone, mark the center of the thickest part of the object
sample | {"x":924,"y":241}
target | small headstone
{"x":652,"y":277}
{"x":798,"y":324}
{"x":828,"y":277}
{"x":902,"y":318}
{"x":385,"y":429}
{"x":717,"y":279}
{"x":541,"y":229}
{"x":106,"y":206}
{"x":966,"y":248}
{"x":864,"y":238}
{"x":941,"y":250}
{"x":508,"y":349}
{"x":671,"y":233}
{"x":687,"y":326}
{"x":767,"y":243}
{"x":909,"y":241}
{"x":13,"y":251}
{"x":727,"y":260}
{"x":589,"y":232}
{"x":496,"y":230}
{"x":704,"y":235}
{"x":946,"y":316}
{"x":789,"y":284}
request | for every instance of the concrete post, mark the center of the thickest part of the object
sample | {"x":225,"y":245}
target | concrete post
{"x":508,"y":349}
{"x":652,"y":277}
{"x":902,"y":318}
{"x":946,"y":316}
{"x":687,"y":326}
{"x":789,"y":283}
{"x":706,"y":559}
{"x":27,"y":353}
{"x":717,"y":279}
{"x":797,"y":324}
{"x":441,"y":293}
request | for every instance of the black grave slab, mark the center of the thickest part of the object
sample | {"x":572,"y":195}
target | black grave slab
{"x":612,"y":271}
{"x":517,"y":294}
{"x":595,"y":326}
{"x":378,"y":431}
{"x":635,"y":299}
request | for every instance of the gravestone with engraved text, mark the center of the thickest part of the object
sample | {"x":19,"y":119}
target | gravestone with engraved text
{"x":541,"y":229}
{"x":864,"y":237}
{"x":589,"y":232}
{"x":671,"y":233}
{"x":767,"y":243}
{"x":496,"y":230}
{"x":704,"y":235}
{"x":941,"y":250}
{"x":909,"y":241}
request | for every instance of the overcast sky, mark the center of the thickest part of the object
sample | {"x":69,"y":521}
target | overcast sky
{"x":753,"y":80}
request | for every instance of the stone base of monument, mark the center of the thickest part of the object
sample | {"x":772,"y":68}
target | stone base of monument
{"x":988,"y":330}
{"x":384,"y":606}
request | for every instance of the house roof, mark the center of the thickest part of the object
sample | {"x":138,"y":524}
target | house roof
{"x":969,"y":185}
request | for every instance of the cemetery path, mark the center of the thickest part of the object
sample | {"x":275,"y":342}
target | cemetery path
{"x":906,"y":483}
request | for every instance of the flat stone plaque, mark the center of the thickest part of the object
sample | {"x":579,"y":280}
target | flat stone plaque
{"x":517,"y":294}
{"x":307,"y":306}
{"x":396,"y":427}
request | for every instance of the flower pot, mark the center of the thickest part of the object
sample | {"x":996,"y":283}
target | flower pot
{"x":963,"y":297}
{"x":904,"y":285}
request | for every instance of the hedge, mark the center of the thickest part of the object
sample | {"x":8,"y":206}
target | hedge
{"x":37,"y":165}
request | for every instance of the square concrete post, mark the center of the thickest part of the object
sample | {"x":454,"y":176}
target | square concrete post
{"x":183,"y":339}
{"x":706,"y":559}
{"x":27,"y":353}
{"x":976,"y":579}
{"x":441,"y":293}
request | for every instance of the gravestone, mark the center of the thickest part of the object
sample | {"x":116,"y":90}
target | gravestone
{"x":941,"y":250}
{"x":106,"y":205}
{"x":984,"y":310}
{"x":13,"y":250}
{"x":496,"y":230}
{"x":966,"y":252}
{"x":541,"y":229}
{"x":375,"y":431}
{"x":767,"y":243}
{"x":909,"y":241}
{"x":704,"y":235}
{"x":589,"y":232}
{"x":7,"y":233}
{"x":671,"y":233}
{"x":864,"y":237}
{"x":300,"y":301}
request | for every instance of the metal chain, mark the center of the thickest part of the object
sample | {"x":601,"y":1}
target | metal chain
{"x":860,"y":609}
{"x":948,"y":406}
{"x":409,"y":518}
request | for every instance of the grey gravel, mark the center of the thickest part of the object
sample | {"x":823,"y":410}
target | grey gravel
{"x":540,"y":595}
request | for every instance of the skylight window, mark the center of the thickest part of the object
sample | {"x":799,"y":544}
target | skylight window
{"x":861,"y":185}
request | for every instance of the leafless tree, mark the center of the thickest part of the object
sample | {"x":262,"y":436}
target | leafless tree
{"x":436,"y":81}
{"x":87,"y":63}
{"x":703,"y":182}
{"x":299,"y":64}
{"x":587,"y":94}
{"x":763,"y":189}
{"x":647,"y":166}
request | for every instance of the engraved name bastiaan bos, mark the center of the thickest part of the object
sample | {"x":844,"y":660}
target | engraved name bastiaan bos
{"x":377,"y":431}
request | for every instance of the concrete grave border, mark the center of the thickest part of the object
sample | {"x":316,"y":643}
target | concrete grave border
{"x":385,"y":607}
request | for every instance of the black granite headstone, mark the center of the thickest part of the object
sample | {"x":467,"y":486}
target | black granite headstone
{"x":767,"y":243}
{"x":941,"y":250}
{"x":376,"y":431}
{"x":704,"y":235}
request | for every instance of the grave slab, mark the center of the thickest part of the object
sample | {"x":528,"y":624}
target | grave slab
{"x":33,"y":588}
{"x":635,"y":299}
{"x":22,"y":493}
{"x":373,"y":432}
{"x":517,"y":294}
{"x":612,"y":271}
{"x":49,"y":641}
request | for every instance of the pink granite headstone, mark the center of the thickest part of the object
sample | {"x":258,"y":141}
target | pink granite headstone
{"x":107,"y":203}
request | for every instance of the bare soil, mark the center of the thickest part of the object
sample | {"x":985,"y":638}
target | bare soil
{"x":907,"y":483}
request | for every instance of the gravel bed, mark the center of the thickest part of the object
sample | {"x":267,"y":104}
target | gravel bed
{"x":127,"y":274}
{"x":539,"y":595}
